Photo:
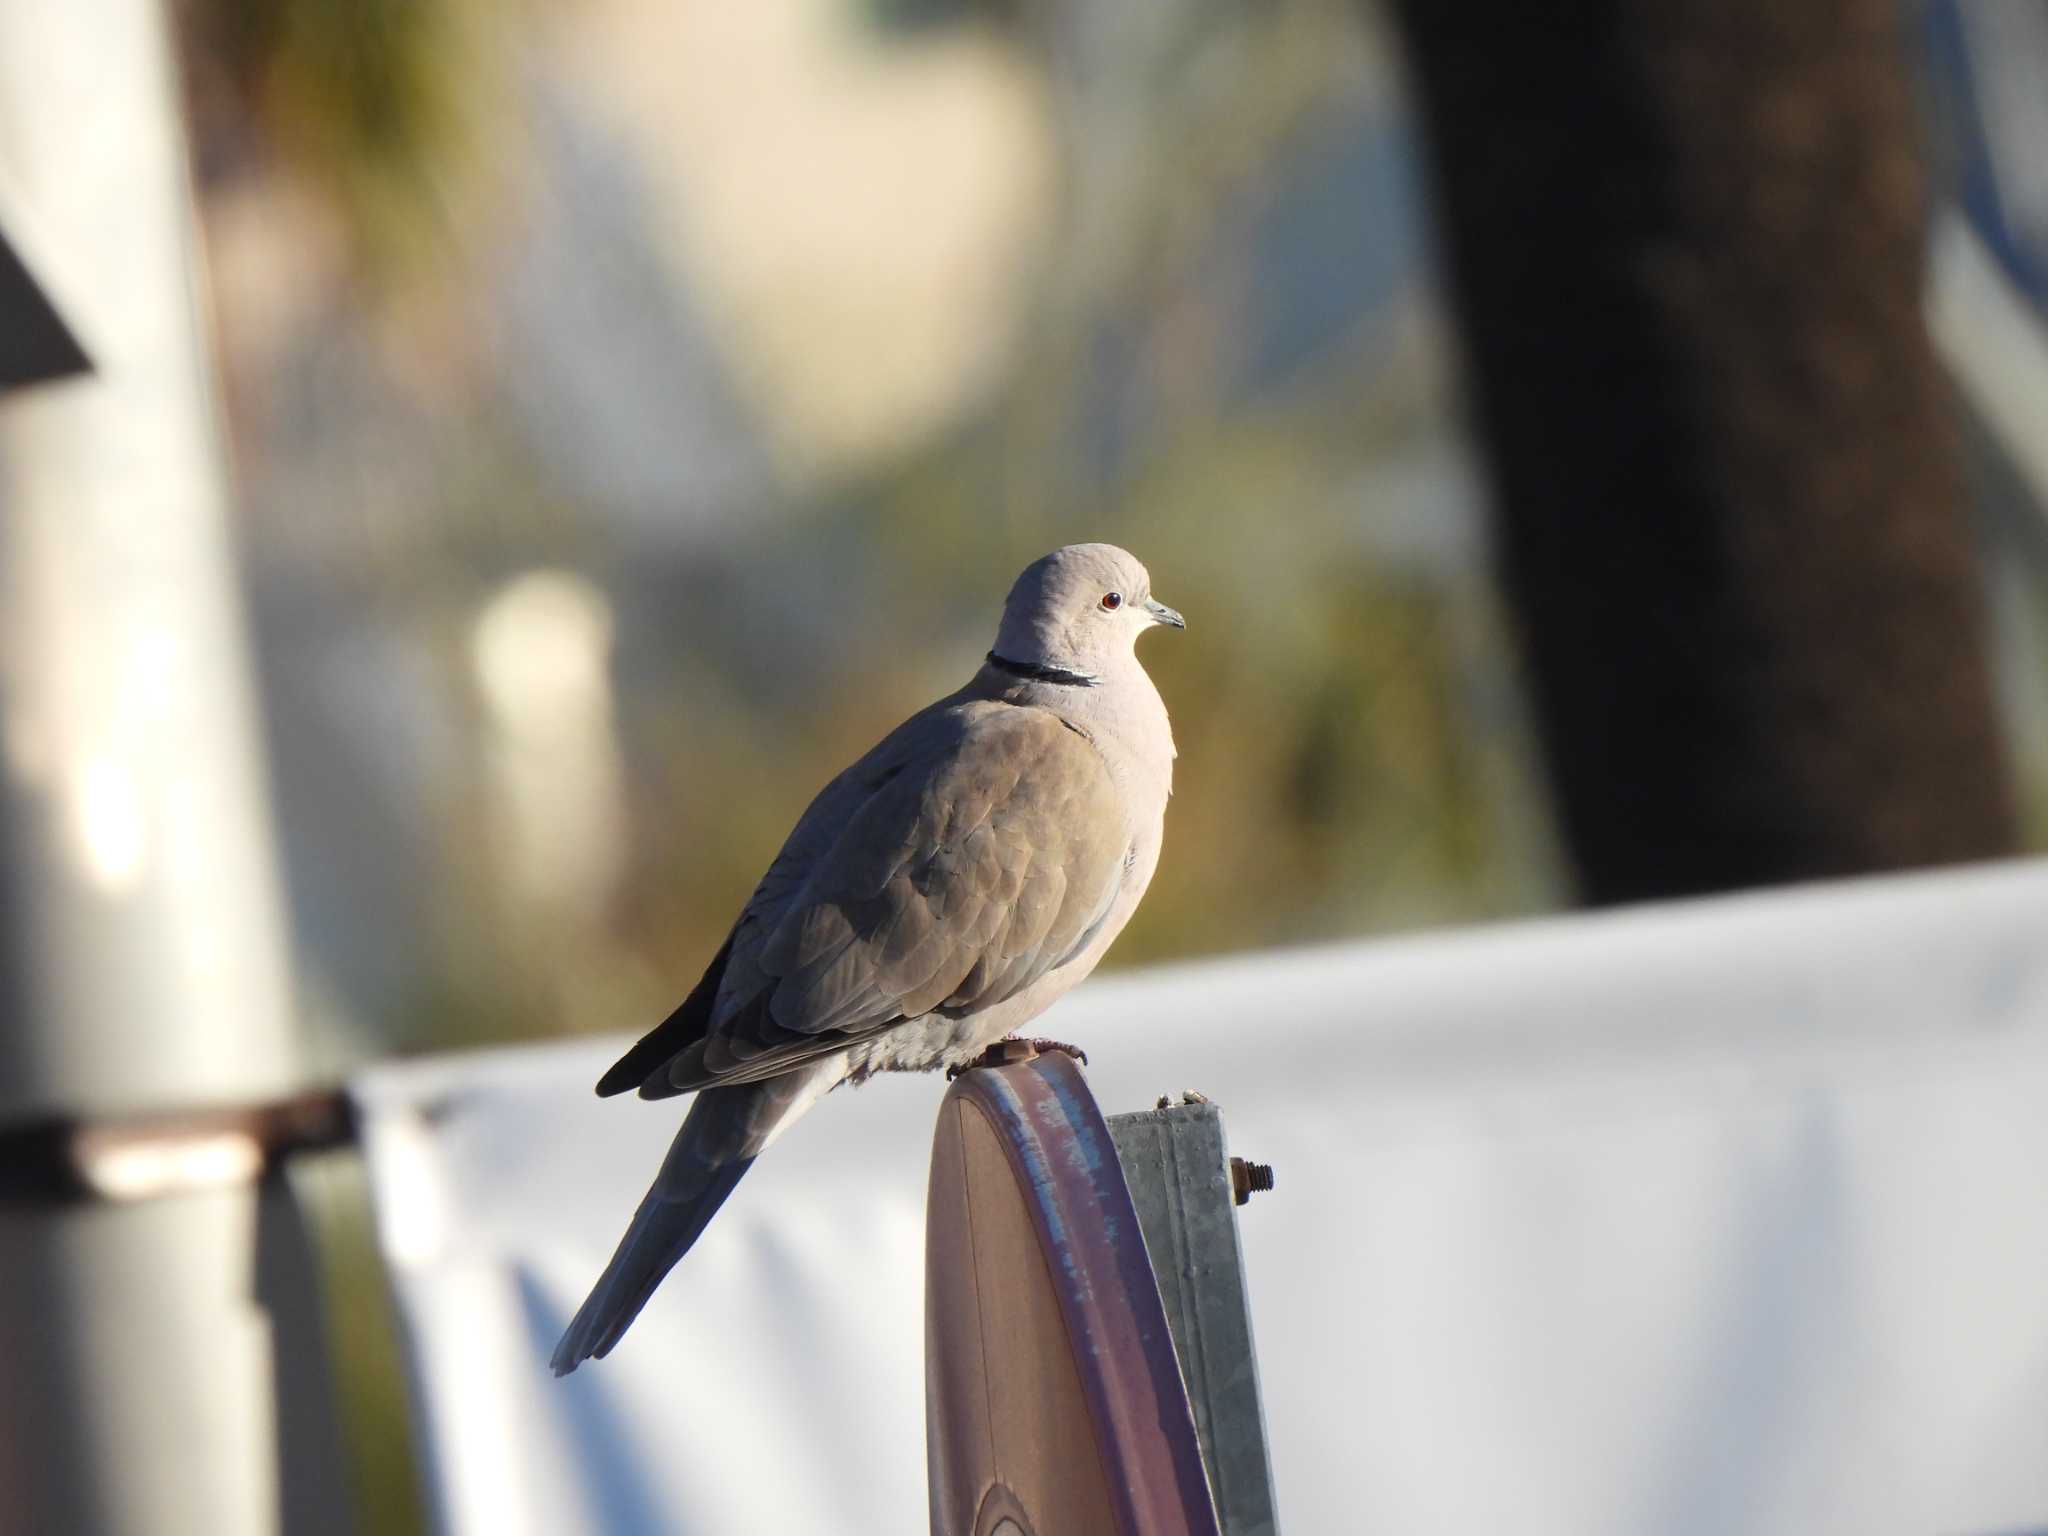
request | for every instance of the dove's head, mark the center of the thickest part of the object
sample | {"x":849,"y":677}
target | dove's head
{"x":1080,"y":609}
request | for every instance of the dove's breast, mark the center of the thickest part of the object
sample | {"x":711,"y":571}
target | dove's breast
{"x":945,"y":1039}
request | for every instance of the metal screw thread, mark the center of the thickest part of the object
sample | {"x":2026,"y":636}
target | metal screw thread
{"x":1247,"y":1179}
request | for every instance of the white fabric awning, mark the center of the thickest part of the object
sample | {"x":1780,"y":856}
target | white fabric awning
{"x":1710,"y":1217}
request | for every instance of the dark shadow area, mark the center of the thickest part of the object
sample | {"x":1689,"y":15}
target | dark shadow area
{"x":313,"y":1496}
{"x":35,"y":343}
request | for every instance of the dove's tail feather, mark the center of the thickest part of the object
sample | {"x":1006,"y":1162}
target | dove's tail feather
{"x":727,"y":1128}
{"x":662,"y":1232}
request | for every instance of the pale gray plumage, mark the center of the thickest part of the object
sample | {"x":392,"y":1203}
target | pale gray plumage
{"x":936,"y":896}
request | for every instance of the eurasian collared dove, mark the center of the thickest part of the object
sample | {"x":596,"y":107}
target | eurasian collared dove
{"x":936,"y":896}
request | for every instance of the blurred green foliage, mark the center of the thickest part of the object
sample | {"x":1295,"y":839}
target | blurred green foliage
{"x":362,"y":1340}
{"x":394,"y":109}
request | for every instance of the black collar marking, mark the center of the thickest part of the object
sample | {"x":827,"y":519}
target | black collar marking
{"x":1031,"y":671}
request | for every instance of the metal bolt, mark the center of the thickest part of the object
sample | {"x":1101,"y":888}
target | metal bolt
{"x":1248,"y":1179}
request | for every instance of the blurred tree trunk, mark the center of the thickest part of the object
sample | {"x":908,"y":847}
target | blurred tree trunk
{"x":1685,"y":239}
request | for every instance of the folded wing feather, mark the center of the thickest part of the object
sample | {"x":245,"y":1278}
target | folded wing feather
{"x":978,"y":848}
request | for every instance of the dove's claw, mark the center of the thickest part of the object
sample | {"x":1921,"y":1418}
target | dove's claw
{"x":1012,"y":1049}
{"x":1062,"y":1047}
{"x":1002,"y":1053}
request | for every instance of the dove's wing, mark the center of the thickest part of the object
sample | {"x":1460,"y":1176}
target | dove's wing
{"x":820,"y":826}
{"x":988,"y":852}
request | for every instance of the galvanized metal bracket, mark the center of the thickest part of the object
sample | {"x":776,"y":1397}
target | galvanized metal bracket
{"x":1186,"y":1187}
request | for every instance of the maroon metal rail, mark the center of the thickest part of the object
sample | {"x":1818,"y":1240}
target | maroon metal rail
{"x":1054,"y":1403}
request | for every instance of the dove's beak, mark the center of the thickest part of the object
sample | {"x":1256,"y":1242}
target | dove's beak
{"x":1161,"y":614}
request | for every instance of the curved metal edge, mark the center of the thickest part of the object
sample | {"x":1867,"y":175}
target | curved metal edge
{"x":1060,"y":1149}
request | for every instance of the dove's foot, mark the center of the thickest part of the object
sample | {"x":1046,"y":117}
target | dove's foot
{"x":1011,"y":1049}
{"x":1042,"y":1046}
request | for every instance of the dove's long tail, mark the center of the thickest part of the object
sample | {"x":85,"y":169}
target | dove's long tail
{"x":726,"y":1130}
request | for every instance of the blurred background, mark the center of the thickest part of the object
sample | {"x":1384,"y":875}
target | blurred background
{"x":639,"y":409}
{"x":635,"y":409}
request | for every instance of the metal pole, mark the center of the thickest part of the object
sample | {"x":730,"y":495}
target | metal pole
{"x":153,"y":1343}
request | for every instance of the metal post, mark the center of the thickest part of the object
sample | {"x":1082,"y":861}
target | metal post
{"x":153,"y":1342}
{"x":1053,"y":1400}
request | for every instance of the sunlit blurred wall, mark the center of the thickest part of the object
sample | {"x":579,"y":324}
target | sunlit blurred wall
{"x":860,"y":216}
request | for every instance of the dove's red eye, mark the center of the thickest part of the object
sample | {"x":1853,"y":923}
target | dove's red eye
{"x":1112,"y":600}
